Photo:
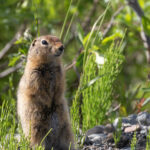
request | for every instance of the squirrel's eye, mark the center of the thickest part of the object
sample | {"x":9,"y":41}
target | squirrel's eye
{"x":44,"y":42}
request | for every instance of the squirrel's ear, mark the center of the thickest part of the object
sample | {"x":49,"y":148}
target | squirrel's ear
{"x":33,"y":43}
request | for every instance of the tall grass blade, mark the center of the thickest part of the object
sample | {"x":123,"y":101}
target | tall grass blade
{"x":73,"y":16}
{"x":63,"y":27}
{"x":46,"y":136}
{"x":108,"y":6}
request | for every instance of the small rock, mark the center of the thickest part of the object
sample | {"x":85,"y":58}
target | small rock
{"x":126,"y":121}
{"x":109,"y":128}
{"x":148,"y":128}
{"x":97,"y":138}
{"x":143,"y":131}
{"x":143,"y":118}
{"x":96,"y":130}
{"x":87,"y":141}
{"x":125,"y":140}
{"x":110,"y":138}
{"x":127,"y":148}
{"x":132,"y":128}
{"x":133,"y":117}
{"x":130,"y":120}
{"x":92,"y":147}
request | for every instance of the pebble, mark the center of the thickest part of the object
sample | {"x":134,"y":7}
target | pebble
{"x":109,"y":128}
{"x":132,"y":128}
{"x":102,"y":137}
{"x":97,"y":138}
{"x":143,"y":119}
{"x":96,"y":130}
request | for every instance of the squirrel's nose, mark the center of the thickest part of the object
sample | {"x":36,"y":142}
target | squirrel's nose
{"x":61,"y":48}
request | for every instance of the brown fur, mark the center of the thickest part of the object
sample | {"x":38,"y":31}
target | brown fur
{"x":40,"y":100}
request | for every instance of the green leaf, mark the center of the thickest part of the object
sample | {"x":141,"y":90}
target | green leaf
{"x":95,"y":48}
{"x":112,"y":37}
{"x":23,"y":51}
{"x":20,"y":41}
{"x":13,"y":60}
{"x":128,"y":17}
{"x":86,"y":38}
{"x":80,"y":33}
{"x":79,"y":62}
{"x":146,"y":89}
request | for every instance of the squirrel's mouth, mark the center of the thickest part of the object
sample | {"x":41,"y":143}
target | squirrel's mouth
{"x":58,"y":53}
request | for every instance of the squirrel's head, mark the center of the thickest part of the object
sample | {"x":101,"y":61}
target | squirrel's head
{"x":46,"y":48}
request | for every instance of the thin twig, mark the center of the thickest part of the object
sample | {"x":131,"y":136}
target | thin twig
{"x":77,"y":72}
{"x":11,"y":42}
{"x":114,"y":109}
{"x":70,"y":66}
{"x":74,"y":60}
{"x":10,"y":70}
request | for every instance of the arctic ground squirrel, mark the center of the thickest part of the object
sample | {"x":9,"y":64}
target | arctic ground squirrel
{"x":41,"y":105}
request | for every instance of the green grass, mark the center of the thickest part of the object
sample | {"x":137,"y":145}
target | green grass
{"x":133,"y":142}
{"x":10,"y":127}
{"x":148,"y":141}
{"x":95,"y":100}
{"x":117,"y":134}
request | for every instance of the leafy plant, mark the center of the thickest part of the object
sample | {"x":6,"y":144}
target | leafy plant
{"x":148,"y":141}
{"x":98,"y":78}
{"x":118,"y":132}
{"x":133,"y":142}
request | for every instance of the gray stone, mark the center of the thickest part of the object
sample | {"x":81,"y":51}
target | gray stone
{"x":96,"y":130}
{"x":143,"y":118}
{"x":102,"y":137}
{"x":127,"y":148}
{"x":109,"y":128}
{"x":130,"y":120}
{"x":132,"y":128}
{"x":110,"y":138}
{"x":126,"y":121}
{"x":97,"y":138}
{"x":143,"y":131}
{"x":87,"y":141}
{"x":148,"y":128}
{"x":133,"y":116}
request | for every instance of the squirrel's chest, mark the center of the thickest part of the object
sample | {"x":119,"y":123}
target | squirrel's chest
{"x":48,"y":79}
{"x":45,"y":76}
